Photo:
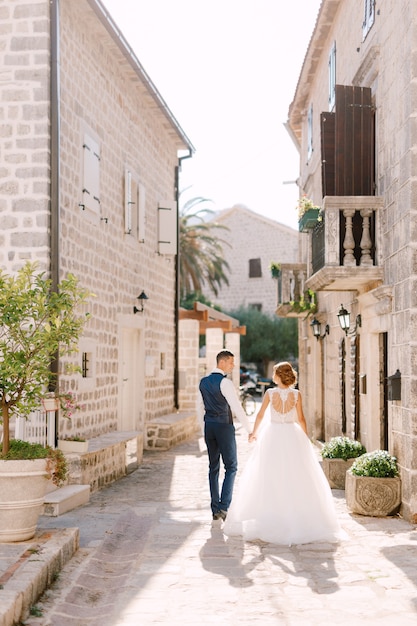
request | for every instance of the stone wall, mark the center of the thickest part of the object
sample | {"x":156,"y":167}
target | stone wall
{"x":24,"y":138}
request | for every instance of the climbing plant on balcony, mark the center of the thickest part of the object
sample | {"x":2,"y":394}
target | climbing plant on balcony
{"x":306,"y":304}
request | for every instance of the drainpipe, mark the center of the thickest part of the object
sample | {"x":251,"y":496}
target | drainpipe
{"x":177,"y":279}
{"x":54,"y":163}
{"x":54,"y":141}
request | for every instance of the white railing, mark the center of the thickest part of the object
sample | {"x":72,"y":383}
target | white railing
{"x":39,"y":427}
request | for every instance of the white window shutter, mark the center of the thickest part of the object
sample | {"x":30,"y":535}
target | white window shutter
{"x":141,"y":212}
{"x":128,"y":202}
{"x":332,"y":77}
{"x":167,"y":228}
{"x":91,"y":174}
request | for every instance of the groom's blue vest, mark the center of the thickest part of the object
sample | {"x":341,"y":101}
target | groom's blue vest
{"x":216,"y":406}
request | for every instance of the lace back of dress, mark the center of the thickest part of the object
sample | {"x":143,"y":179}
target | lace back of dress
{"x":284,"y":401}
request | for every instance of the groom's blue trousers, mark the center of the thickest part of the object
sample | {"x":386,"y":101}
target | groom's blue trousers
{"x":221,"y":442}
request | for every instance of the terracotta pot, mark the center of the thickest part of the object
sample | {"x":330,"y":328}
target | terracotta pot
{"x":23,"y":487}
{"x":376,"y":497}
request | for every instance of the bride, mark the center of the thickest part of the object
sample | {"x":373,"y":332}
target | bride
{"x":283,"y":496}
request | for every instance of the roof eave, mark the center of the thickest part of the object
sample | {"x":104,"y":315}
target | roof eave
{"x":118,"y":38}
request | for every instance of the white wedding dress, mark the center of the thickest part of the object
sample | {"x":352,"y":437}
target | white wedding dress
{"x":283,"y":496}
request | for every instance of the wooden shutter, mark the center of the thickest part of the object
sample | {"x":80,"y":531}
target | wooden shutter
{"x":167,"y":228}
{"x":141,"y":212}
{"x":348,"y":144}
{"x":354,"y":173}
{"x":91,"y":174}
{"x":128,"y":202}
{"x":327,"y":125}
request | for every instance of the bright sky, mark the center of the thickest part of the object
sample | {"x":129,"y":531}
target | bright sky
{"x":227,"y":70}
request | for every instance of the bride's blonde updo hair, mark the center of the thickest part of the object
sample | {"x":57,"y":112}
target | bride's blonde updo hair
{"x":286,"y":373}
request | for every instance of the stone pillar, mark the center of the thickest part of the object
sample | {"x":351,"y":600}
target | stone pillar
{"x":188,"y":362}
{"x":214,"y":344}
{"x":232,"y":343}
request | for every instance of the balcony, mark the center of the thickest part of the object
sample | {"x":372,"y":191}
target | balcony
{"x":344,"y":251}
{"x":294,"y":299}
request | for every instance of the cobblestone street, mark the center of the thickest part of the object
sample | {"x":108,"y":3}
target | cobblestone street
{"x":150,"y":555}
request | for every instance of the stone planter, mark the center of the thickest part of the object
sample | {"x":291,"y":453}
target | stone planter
{"x":376,"y":497}
{"x":335,"y":471}
{"x":308,"y":220}
{"x":23,"y":487}
{"x":69,"y":446}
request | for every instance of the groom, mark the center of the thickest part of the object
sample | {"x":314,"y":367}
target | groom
{"x":218,"y":403}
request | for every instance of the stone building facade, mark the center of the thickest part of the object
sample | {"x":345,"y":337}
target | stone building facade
{"x":353,"y":116}
{"x":253,"y":241}
{"x":89,"y":166}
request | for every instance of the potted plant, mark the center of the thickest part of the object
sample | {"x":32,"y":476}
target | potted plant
{"x":275,"y":269}
{"x":36,"y":324}
{"x":308,"y":214}
{"x":338,"y":454}
{"x":24,"y":471}
{"x":373,"y":485}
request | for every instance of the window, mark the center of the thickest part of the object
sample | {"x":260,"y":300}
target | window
{"x":332,"y":77}
{"x":310,"y":132}
{"x":257,"y":306}
{"x":255,"y":268}
{"x":134,"y":207}
{"x":369,"y":17}
{"x":91,"y":175}
{"x":86,"y":359}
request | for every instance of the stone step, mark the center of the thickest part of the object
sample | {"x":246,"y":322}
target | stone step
{"x":65,"y":499}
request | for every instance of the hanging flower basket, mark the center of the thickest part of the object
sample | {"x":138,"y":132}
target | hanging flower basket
{"x":308,"y":220}
{"x":50,"y":403}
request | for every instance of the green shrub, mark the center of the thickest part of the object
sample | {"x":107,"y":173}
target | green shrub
{"x":377,"y":464}
{"x":342,"y":448}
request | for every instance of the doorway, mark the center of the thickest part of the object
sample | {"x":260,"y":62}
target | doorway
{"x":132,"y":379}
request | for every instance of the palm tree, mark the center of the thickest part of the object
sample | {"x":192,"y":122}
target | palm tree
{"x":201,"y":251}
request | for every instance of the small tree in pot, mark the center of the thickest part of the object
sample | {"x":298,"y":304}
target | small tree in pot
{"x":36,"y":324}
{"x":338,"y":455}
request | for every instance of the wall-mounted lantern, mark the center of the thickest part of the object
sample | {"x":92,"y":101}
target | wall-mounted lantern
{"x":316,"y":327}
{"x":141,"y":297}
{"x":394,"y":386}
{"x":344,"y":321}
